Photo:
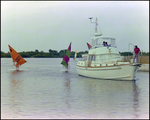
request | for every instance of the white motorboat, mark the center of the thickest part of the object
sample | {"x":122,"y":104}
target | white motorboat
{"x":105,"y":62}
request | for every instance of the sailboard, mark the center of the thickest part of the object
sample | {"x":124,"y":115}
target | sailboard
{"x":16,"y":57}
{"x":89,"y":46}
{"x":75,"y":55}
{"x":66,"y":57}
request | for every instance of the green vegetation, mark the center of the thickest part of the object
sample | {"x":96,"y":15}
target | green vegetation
{"x":56,"y":54}
{"x":41,"y":54}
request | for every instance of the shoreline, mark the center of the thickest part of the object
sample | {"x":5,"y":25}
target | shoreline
{"x":144,"y":67}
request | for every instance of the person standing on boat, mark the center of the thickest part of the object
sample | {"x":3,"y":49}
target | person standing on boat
{"x":104,"y":43}
{"x":136,"y":54}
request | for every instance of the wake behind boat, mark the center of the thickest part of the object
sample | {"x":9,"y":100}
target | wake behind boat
{"x":104,"y":61}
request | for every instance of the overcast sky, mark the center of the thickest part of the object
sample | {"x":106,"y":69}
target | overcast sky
{"x":44,"y":25}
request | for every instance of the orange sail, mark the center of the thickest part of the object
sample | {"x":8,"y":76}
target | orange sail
{"x":16,"y":57}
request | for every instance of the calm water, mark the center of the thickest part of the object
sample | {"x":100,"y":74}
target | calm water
{"x":42,"y":89}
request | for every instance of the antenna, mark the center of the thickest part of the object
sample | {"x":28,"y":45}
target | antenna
{"x":94,"y":23}
{"x":91,"y":19}
{"x":129,"y":48}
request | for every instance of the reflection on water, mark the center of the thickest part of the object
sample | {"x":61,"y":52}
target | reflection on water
{"x":47,"y":92}
{"x":16,"y":72}
{"x":15,"y":93}
{"x":67,"y":92}
{"x":98,"y":96}
{"x":108,"y":96}
{"x":136,"y":93}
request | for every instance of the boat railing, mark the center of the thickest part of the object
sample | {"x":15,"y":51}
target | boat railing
{"x":98,"y":42}
{"x":97,"y":46}
{"x":103,"y":59}
{"x":107,"y":61}
{"x":102,"y":62}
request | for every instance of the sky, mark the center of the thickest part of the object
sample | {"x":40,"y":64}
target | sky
{"x":44,"y":25}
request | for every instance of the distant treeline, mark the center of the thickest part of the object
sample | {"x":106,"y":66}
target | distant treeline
{"x":41,"y":54}
{"x":56,"y":54}
{"x":130,"y":54}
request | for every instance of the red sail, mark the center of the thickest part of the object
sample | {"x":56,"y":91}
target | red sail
{"x":89,"y":46}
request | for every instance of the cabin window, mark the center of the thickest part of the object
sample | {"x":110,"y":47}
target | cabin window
{"x":96,"y":41}
{"x":92,"y":57}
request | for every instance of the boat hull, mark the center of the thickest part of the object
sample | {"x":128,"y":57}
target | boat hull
{"x":125,"y":72}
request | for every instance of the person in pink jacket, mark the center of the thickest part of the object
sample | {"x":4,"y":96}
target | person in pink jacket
{"x":136,"y":54}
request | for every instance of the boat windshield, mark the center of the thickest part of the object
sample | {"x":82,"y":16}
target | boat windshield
{"x":98,"y":41}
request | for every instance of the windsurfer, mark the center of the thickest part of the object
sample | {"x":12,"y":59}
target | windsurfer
{"x":66,"y":68}
{"x":66,"y":57}
{"x":17,"y":59}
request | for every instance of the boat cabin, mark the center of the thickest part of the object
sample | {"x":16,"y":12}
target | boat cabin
{"x":97,"y":41}
{"x":102,"y":55}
